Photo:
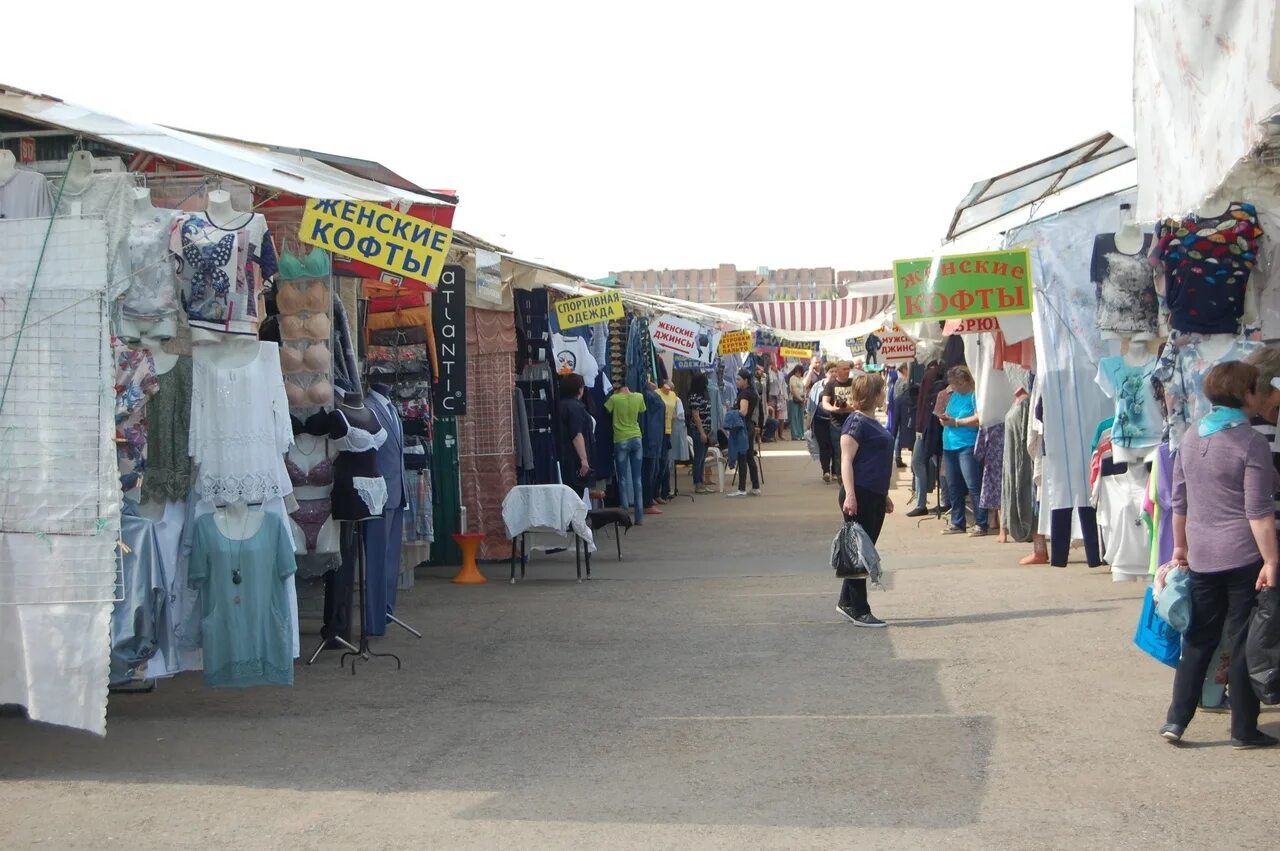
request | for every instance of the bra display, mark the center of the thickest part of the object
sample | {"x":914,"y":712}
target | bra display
{"x":314,"y":327}
{"x":314,"y":265}
{"x":302,"y":358}
{"x":321,"y":475}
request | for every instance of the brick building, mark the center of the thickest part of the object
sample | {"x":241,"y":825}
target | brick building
{"x":726,"y":284}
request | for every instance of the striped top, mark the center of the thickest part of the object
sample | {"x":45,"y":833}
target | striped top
{"x":1268,"y":431}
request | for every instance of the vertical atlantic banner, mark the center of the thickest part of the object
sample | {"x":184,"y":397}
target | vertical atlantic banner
{"x":449,"y":321}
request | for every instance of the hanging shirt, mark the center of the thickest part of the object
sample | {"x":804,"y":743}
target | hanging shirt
{"x":246,"y":624}
{"x":1181,"y":371}
{"x":152,"y":292}
{"x":1207,"y":263}
{"x":25,"y":195}
{"x":626,"y":409}
{"x":1126,"y":287}
{"x":1139,"y":420}
{"x":221,"y":271}
{"x":670,"y":401}
{"x":572,"y":356}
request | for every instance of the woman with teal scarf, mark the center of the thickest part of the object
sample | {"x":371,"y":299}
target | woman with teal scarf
{"x":1224,"y":533}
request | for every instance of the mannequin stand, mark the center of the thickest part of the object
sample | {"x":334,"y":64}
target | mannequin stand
{"x":336,"y":629}
{"x":363,"y":650}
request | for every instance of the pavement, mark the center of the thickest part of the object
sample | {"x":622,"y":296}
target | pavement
{"x":701,"y":693}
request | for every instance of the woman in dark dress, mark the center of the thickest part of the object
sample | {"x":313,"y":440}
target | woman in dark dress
{"x":866,"y":472}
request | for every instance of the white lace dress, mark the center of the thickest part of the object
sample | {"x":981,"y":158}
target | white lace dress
{"x":240,"y":429}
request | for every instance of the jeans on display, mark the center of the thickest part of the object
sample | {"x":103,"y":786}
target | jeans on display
{"x":795,"y":419}
{"x":964,"y":476}
{"x":1222,"y":605}
{"x":699,"y":457}
{"x":920,"y":472}
{"x":628,"y":459}
{"x":822,"y":435}
{"x":1060,"y":535}
{"x":870,"y":515}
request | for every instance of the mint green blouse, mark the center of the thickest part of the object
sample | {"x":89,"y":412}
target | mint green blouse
{"x":247,"y":623}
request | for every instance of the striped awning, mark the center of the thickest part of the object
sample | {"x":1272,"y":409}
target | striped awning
{"x":822,"y":316}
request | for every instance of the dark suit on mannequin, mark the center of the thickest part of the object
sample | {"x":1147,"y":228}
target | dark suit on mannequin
{"x":382,"y":534}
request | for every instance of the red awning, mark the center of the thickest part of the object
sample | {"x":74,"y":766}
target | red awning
{"x":820,"y":316}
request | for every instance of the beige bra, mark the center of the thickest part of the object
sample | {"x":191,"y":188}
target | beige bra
{"x":313,"y":358}
{"x":314,"y":327}
{"x":319,"y":393}
{"x":296,"y":298}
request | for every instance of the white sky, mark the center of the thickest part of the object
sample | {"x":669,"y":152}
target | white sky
{"x":596,"y":136}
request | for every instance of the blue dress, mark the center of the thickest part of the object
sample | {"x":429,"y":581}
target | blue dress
{"x":244,"y":603}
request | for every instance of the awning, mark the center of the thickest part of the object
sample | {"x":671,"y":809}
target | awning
{"x":798,"y":320}
{"x":258,"y":165}
{"x":995,"y":197}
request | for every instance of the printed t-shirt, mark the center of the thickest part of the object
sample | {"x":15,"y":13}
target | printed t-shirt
{"x":1139,"y":421}
{"x":837,"y":392}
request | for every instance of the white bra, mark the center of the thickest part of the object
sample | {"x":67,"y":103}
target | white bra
{"x":359,"y":440}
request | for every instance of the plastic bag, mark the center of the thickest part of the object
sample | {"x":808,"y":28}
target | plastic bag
{"x":1173,"y":596}
{"x":1263,"y":648}
{"x":1155,"y":637}
{"x":811,"y":443}
{"x":853,"y":555}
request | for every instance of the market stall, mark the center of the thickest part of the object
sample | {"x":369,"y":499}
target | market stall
{"x":227,"y":431}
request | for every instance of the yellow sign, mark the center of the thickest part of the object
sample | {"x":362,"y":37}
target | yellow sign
{"x":790,"y":352}
{"x":401,"y":244}
{"x":589,"y":309}
{"x":735,"y":342}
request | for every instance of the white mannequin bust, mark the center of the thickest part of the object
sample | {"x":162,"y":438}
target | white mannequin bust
{"x":143,"y":209}
{"x":236,"y":522}
{"x":8,"y":165}
{"x":229,"y":353}
{"x":150,"y":332}
{"x":79,"y":173}
{"x":1129,"y":237}
{"x":1214,"y":347}
{"x":1215,"y":205}
{"x":221,"y":212}
{"x":163,"y":360}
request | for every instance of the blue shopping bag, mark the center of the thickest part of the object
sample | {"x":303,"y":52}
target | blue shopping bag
{"x":1159,"y":640}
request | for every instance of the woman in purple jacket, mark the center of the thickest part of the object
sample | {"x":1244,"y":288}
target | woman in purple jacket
{"x":1224,"y":533}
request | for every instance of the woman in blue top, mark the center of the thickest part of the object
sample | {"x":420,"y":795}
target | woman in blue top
{"x":959,"y":434}
{"x":866,"y":471}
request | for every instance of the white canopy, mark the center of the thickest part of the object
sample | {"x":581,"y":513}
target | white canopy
{"x":258,"y":165}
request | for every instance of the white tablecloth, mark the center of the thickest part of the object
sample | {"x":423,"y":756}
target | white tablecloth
{"x":546,"y":508}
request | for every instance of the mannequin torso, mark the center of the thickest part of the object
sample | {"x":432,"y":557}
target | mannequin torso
{"x":79,"y":173}
{"x":222,"y":213}
{"x":236,"y":522}
{"x":230,"y":353}
{"x":163,"y":360}
{"x":143,"y":209}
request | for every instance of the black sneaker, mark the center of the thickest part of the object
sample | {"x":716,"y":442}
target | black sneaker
{"x":917,"y":512}
{"x":1257,"y":740}
{"x":1172,"y":733}
{"x":847,"y":612}
{"x":868,"y":620}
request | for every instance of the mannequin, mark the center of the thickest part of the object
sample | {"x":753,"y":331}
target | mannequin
{"x":308,"y":460}
{"x":1127,"y":303}
{"x":143,"y":209}
{"x":8,"y":165}
{"x":222,"y":213}
{"x":220,"y":315}
{"x":359,"y":491}
{"x":236,"y":522}
{"x":230,"y":353}
{"x":79,"y":173}
{"x":1129,"y":237}
{"x":164,"y":360}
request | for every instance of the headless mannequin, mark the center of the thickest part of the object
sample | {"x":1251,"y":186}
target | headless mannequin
{"x":236,"y":522}
{"x":1136,"y":354}
{"x":350,"y":465}
{"x":223,"y":214}
{"x":307,"y":452}
{"x":228,"y":353}
{"x":1129,"y":239}
{"x":79,"y":173}
{"x":8,"y":165}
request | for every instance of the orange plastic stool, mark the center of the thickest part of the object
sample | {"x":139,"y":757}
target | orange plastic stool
{"x":469,"y":542}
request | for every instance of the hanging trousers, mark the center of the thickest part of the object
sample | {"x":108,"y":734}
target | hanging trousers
{"x":1060,"y":535}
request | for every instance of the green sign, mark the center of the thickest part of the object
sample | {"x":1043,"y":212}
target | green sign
{"x":963,"y":285}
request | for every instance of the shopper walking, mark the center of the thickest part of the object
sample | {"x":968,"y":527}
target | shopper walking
{"x":1224,"y":533}
{"x":836,"y":397}
{"x":866,"y":472}
{"x":820,"y":425}
{"x":628,"y":450}
{"x":699,"y":427}
{"x":959,"y":435}
{"x":748,"y":405}
{"x":795,"y":402}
